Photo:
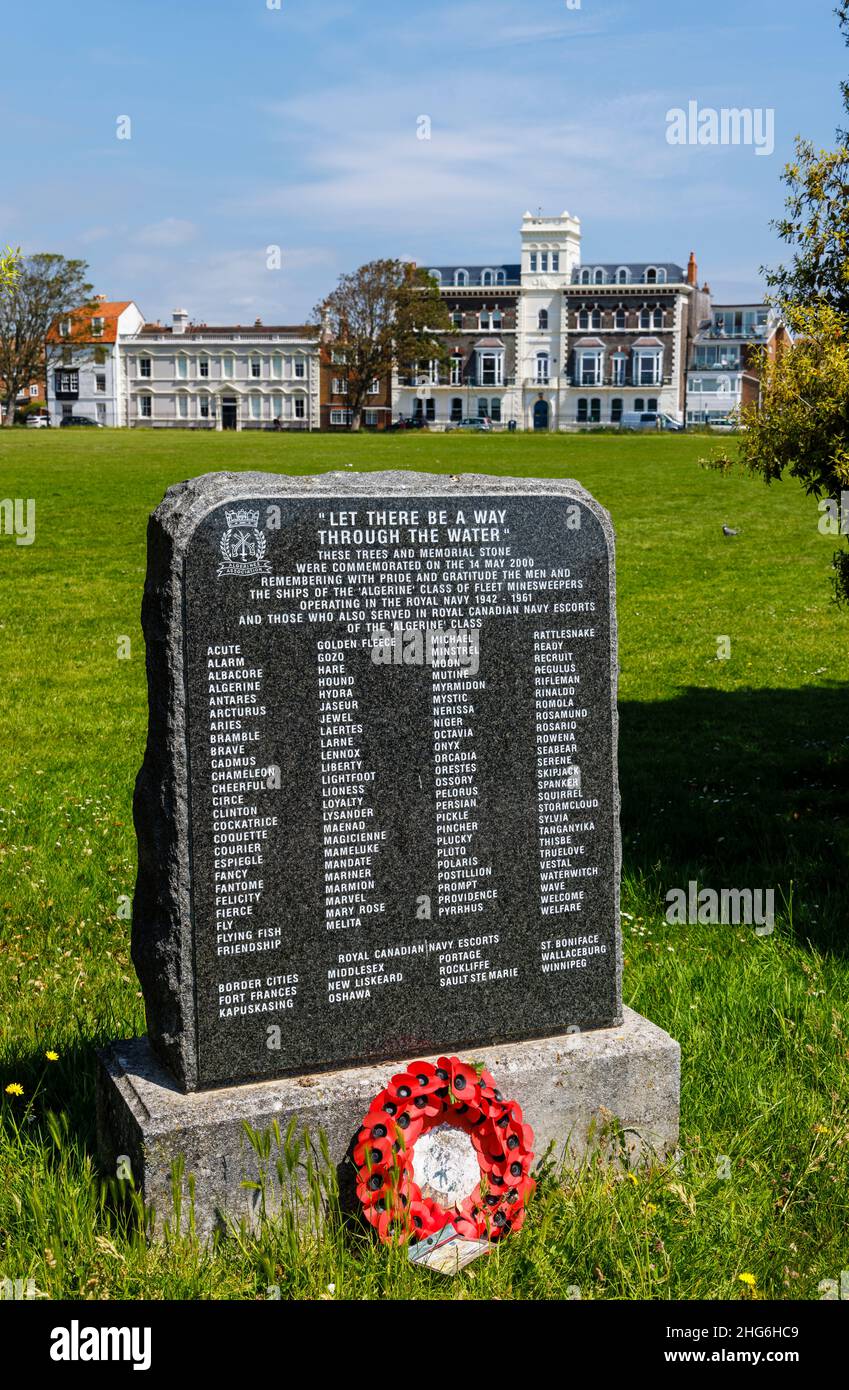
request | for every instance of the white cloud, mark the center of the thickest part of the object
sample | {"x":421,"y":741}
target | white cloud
{"x":610,"y":160}
{"x":227,"y":286}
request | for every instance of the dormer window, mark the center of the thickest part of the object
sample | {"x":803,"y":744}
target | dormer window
{"x":487,"y":278}
{"x":461,"y":277}
{"x":622,"y":276}
{"x":436,"y":275}
{"x":65,"y":328}
{"x":651,"y":276}
{"x":500,"y":278}
{"x":586,"y":277}
{"x":599,"y":277}
{"x":97,"y":327}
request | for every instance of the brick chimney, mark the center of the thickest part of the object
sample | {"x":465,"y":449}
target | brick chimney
{"x":693,"y":271}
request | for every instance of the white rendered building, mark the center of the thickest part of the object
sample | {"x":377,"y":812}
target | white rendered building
{"x":198,"y":376}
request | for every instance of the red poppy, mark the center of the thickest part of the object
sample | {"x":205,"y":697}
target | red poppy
{"x":517,"y":1192}
{"x":421,"y":1076}
{"x":515,"y":1223}
{"x":392,"y":1225}
{"x":466,"y":1227}
{"x":395,"y":1193}
{"x":506,"y":1115}
{"x":517,"y":1166}
{"x":377,"y":1124}
{"x":463,"y":1080}
{"x":491,"y":1093}
{"x":376,"y":1153}
{"x":385,"y":1223}
{"x":418,"y":1099}
{"x":373,"y":1189}
{"x":410,"y":1125}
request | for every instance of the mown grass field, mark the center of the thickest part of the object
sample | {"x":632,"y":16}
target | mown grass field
{"x":735,"y":773}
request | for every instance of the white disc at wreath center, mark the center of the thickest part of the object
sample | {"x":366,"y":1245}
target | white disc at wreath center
{"x":445,"y":1166}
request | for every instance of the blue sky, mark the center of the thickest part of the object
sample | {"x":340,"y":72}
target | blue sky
{"x":296,"y":126}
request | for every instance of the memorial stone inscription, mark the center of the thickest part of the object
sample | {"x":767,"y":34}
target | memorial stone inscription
{"x":378,"y":813}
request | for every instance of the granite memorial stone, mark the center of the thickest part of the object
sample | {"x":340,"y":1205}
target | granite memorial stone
{"x":377,"y":818}
{"x":381,"y":771}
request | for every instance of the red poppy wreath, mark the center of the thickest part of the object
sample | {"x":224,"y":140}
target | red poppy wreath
{"x":415,"y":1102}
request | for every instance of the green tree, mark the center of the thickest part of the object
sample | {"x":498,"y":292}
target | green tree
{"x":9,"y":261}
{"x":802,"y":422}
{"x":387,"y":315}
{"x":43,"y":290}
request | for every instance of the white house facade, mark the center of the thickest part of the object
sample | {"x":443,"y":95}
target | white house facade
{"x":195,"y":376}
{"x":83,"y":362}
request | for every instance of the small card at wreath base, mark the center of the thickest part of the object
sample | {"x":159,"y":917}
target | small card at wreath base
{"x":447,"y":1251}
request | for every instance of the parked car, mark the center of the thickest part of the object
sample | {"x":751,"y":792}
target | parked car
{"x":411,"y":422}
{"x":80,"y":420}
{"x":38,"y":421}
{"x":648,"y":420}
{"x":472,"y":422}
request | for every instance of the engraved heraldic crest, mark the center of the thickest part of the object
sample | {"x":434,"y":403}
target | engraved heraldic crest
{"x":243,"y":545}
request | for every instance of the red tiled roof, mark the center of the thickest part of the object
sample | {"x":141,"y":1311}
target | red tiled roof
{"x":109,"y":310}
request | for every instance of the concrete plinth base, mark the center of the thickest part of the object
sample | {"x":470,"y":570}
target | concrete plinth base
{"x":572,"y":1090}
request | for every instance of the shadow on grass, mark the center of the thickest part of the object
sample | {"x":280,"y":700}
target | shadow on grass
{"x":743,"y":789}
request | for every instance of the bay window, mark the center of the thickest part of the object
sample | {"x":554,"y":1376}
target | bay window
{"x":590,"y":368}
{"x":490,"y":368}
{"x":647,"y":366}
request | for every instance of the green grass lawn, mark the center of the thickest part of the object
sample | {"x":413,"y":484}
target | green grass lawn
{"x":734,"y":774}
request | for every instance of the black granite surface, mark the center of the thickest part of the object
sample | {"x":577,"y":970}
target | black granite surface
{"x":235,"y":958}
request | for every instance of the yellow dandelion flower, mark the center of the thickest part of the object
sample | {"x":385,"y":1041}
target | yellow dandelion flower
{"x":14,"y":1089}
{"x":747,"y":1279}
{"x":821,"y":1129}
{"x":650,"y":1208}
{"x":52,"y":1056}
{"x":632,"y":1178}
